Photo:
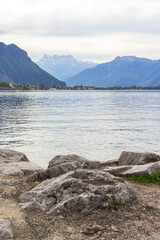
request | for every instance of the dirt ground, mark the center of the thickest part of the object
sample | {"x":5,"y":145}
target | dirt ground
{"x":137,"y":221}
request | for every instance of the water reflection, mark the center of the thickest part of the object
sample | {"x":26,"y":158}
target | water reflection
{"x":14,"y":118}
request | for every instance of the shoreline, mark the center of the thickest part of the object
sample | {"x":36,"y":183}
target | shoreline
{"x":138,"y":219}
{"x":50,"y":90}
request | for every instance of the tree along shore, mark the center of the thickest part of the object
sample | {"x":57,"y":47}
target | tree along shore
{"x":15,"y":86}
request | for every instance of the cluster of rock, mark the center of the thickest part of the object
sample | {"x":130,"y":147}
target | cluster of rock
{"x":72,"y":183}
{"x":62,"y":164}
{"x":12,"y":164}
{"x":132,"y":163}
{"x":80,"y":190}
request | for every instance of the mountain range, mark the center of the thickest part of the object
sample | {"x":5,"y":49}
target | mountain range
{"x":63,"y":66}
{"x":122,"y":72}
{"x":17,"y":67}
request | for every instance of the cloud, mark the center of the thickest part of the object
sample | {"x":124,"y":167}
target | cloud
{"x":83,"y":27}
{"x":98,"y":48}
{"x":83,"y":18}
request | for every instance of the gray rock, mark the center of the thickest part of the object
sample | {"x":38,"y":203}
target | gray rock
{"x":19,"y":168}
{"x":9,"y":182}
{"x":74,"y":160}
{"x":62,"y":164}
{"x":79,"y":190}
{"x":134,"y":158}
{"x":117,"y":170}
{"x":143,"y":169}
{"x":112,"y":163}
{"x":11,"y":171}
{"x":5,"y":230}
{"x":26,"y":167}
{"x":8,"y":156}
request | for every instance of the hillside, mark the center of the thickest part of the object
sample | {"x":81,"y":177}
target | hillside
{"x":17,"y":67}
{"x":122,"y":71}
{"x":63,"y":66}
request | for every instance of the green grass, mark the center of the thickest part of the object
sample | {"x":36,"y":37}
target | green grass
{"x":154,"y":178}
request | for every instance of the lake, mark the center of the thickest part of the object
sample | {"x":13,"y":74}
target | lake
{"x":98,"y":125}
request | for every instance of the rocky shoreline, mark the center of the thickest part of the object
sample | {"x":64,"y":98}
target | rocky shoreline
{"x":75,"y":198}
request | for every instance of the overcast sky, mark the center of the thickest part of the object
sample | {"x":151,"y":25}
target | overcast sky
{"x":97,"y":30}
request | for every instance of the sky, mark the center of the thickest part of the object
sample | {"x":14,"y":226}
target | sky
{"x":96,"y":30}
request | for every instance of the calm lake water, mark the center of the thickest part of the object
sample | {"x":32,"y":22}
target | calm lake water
{"x":97,"y":125}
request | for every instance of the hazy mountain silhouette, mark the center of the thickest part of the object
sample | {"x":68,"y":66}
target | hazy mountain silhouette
{"x":63,"y":66}
{"x":122,"y":71}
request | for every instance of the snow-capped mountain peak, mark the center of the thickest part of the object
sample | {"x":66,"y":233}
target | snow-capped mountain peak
{"x":63,"y":66}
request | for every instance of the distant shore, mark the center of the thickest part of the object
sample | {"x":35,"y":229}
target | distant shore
{"x":25,"y":87}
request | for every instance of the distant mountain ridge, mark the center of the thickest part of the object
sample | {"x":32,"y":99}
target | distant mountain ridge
{"x":63,"y":66}
{"x":122,"y":71}
{"x":17,"y":67}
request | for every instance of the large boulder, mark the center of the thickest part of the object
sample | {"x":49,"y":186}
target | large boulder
{"x":134,"y":169}
{"x":16,"y":164}
{"x":8,"y":156}
{"x":5,"y":230}
{"x":73,"y":161}
{"x":79,"y":190}
{"x":134,"y":158}
{"x":142,"y":169}
{"x":62,"y":164}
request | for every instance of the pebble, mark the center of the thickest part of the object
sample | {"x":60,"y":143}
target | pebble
{"x":10,"y":191}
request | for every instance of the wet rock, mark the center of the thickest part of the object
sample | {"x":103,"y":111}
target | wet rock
{"x":80,"y":190}
{"x":8,"y":156}
{"x":5,"y":230}
{"x":134,"y":158}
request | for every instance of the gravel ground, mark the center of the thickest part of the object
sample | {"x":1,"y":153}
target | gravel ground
{"x":137,"y":221}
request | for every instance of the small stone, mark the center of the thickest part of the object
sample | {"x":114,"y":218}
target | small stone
{"x":5,"y":230}
{"x":70,"y":230}
{"x":10,"y":181}
{"x":10,"y":191}
{"x":114,"y":228}
{"x":106,"y":205}
{"x":90,"y":230}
